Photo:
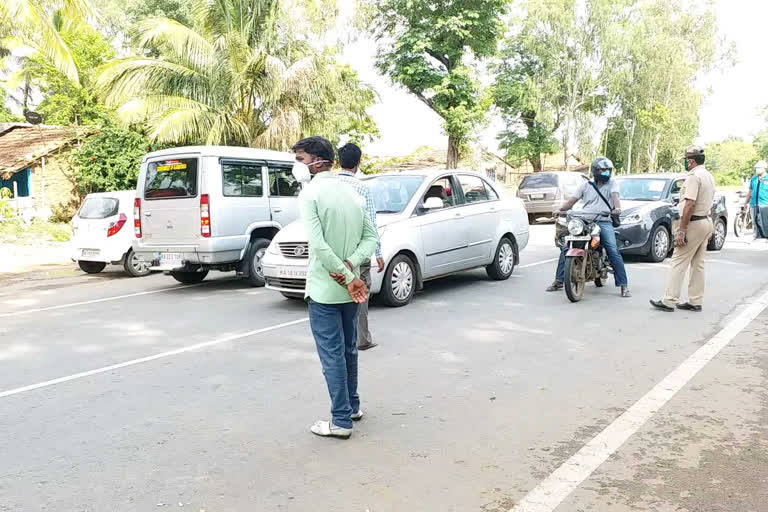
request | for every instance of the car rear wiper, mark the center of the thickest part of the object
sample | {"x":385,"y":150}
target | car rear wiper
{"x":387,"y":211}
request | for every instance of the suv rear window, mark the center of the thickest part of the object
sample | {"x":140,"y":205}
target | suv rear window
{"x":543,"y":180}
{"x":99,"y":208}
{"x":171,"y":178}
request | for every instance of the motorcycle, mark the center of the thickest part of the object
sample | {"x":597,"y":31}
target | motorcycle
{"x":585,"y":258}
{"x":743,"y":224}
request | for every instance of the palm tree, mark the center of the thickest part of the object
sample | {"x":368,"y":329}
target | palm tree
{"x":224,"y":80}
{"x":29,"y":26}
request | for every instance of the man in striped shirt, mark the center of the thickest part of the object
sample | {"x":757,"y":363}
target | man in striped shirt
{"x":349,"y":160}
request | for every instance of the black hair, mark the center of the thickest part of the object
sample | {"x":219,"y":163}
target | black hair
{"x":315,"y":146}
{"x":699,"y":159}
{"x":349,"y":156}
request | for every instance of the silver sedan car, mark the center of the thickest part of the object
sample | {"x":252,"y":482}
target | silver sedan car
{"x":430,"y":223}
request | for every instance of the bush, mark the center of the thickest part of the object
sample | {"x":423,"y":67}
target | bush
{"x":16,"y":231}
{"x":65,"y":211}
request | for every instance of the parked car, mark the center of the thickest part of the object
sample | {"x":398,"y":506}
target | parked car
{"x":431,"y":223}
{"x":650,"y":213}
{"x":545,"y":192}
{"x":100,"y":235}
{"x":208,"y":208}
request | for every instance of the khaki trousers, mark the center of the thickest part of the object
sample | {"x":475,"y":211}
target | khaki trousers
{"x":690,"y":256}
{"x":363,"y":332}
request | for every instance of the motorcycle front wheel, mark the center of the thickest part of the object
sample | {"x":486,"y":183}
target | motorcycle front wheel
{"x":574,"y":278}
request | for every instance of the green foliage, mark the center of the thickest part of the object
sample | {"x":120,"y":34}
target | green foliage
{"x":731,"y":160}
{"x":429,"y":48}
{"x":109,"y":161}
{"x":233,"y":78}
{"x":17,"y":231}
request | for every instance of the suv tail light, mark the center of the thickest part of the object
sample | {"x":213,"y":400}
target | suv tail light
{"x":205,"y":216}
{"x":114,"y":227}
{"x":137,"y":217}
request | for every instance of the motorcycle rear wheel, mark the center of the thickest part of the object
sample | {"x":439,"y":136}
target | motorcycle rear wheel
{"x":574,"y":278}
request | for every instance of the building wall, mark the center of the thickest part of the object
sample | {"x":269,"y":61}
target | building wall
{"x":59,"y":189}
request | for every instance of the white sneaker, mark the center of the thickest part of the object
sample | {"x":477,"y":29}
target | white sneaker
{"x":328,"y":429}
{"x":358,"y":415}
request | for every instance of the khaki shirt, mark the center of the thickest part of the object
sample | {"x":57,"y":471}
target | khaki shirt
{"x":699,"y":186}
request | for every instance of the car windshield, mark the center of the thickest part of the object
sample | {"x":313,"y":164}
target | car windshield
{"x":98,"y":208}
{"x":543,"y":180}
{"x":641,"y":189}
{"x":391,"y":194}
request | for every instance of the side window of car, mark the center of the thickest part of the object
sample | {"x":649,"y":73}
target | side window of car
{"x":474,"y":189}
{"x":677,"y":186}
{"x":443,"y":189}
{"x":282,"y":183}
{"x":492,"y":195}
{"x":242,"y":179}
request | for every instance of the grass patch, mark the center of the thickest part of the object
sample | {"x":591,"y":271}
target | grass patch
{"x":16,"y":231}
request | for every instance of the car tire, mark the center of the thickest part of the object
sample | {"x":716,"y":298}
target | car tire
{"x":293,"y":296}
{"x":661,"y":243}
{"x":531,"y":218}
{"x":91,"y":267}
{"x":189,"y":277}
{"x":255,"y":256}
{"x":400,"y":282}
{"x":135,"y":267}
{"x":718,"y":237}
{"x":503,"y":260}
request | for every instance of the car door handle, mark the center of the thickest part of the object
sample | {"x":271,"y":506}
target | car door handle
{"x":147,"y":214}
{"x":457,"y":214}
{"x":277,"y":210}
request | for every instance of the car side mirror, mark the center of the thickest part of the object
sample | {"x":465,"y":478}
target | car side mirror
{"x":433,"y":203}
{"x":675,"y":198}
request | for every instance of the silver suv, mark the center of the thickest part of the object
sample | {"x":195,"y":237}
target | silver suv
{"x":208,"y":208}
{"x":545,"y":192}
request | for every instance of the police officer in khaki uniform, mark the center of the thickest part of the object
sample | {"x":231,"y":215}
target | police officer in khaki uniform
{"x":692,"y":236}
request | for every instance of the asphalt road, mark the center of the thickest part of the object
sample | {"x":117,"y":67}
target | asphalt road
{"x":121,"y":394}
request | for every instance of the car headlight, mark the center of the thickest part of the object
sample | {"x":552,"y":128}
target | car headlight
{"x":575,"y":227}
{"x":635,"y":218}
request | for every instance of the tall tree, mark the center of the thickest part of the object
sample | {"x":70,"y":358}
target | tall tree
{"x":231,"y":78}
{"x":431,"y":47}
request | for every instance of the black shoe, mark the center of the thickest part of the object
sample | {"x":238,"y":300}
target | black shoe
{"x":689,"y":307}
{"x":661,"y":306}
{"x":366,"y":347}
{"x":555,"y":287}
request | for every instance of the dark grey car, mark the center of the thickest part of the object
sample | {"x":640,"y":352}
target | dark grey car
{"x":650,"y":213}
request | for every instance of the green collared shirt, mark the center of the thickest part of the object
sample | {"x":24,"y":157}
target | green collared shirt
{"x":338,"y":228}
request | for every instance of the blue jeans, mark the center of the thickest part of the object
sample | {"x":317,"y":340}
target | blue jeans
{"x":608,"y":241}
{"x":334,"y":327}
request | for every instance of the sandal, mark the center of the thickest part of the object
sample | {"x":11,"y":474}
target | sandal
{"x":555,"y":287}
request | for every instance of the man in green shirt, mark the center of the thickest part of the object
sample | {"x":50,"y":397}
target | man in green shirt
{"x":341,"y":238}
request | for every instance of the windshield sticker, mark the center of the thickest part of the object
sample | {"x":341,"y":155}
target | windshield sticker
{"x":656,"y":186}
{"x":171,"y":166}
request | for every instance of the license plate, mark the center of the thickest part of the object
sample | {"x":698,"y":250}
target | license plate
{"x":90,"y":253}
{"x":292,"y":273}
{"x":578,"y":238}
{"x":170,"y":258}
{"x":537,"y":196}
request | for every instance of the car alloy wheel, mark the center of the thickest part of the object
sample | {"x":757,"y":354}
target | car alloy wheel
{"x":136,"y":266}
{"x":661,"y":244}
{"x":720,"y":234}
{"x":507,"y":258}
{"x":402,"y":281}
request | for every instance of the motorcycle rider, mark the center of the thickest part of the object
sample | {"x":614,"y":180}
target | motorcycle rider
{"x":602,"y":170}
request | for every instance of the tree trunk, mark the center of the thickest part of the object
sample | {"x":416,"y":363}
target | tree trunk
{"x":653,"y":153}
{"x":453,"y":153}
{"x":629,"y":149}
{"x":536,"y":162}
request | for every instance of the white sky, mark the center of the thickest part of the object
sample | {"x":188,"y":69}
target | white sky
{"x":732,"y":108}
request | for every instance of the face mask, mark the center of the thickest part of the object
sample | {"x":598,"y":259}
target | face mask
{"x":301,"y":172}
{"x":604,"y":175}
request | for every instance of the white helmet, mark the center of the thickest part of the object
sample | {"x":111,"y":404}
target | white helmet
{"x":761,"y":165}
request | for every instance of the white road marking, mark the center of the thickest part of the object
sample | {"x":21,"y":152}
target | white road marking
{"x":95,"y":301}
{"x":551,"y":492}
{"x":538,"y":263}
{"x":161,"y":355}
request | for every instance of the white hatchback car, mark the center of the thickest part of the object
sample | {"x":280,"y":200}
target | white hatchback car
{"x":102,"y":233}
{"x":431,"y":223}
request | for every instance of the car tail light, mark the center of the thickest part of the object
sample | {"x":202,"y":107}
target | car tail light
{"x":205,"y":216}
{"x":114,"y":227}
{"x":137,"y":217}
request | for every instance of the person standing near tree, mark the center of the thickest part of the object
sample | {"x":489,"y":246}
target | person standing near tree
{"x":341,"y":238}
{"x":349,"y":160}
{"x":692,"y":236}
